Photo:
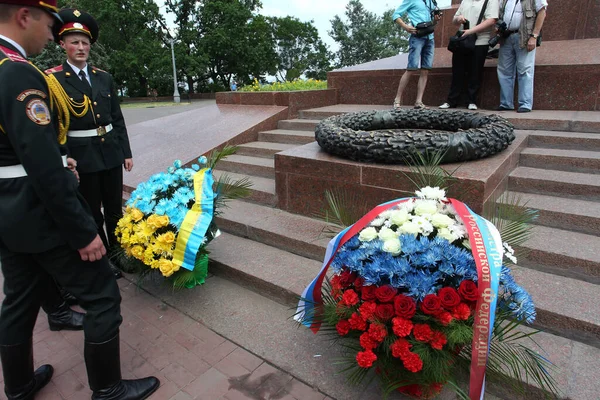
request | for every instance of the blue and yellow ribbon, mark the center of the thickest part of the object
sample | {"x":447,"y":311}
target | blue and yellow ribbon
{"x":196,"y":222}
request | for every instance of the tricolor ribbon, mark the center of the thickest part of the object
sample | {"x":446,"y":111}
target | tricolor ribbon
{"x":196,"y":222}
{"x":311,"y":301}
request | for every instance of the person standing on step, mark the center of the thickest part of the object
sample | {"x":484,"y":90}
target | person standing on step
{"x":46,"y":232}
{"x":524,"y":20}
{"x":420,"y":45}
{"x":97,"y":136}
{"x":469,"y":67}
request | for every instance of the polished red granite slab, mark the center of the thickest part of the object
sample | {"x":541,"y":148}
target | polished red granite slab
{"x":564,"y":80}
{"x":188,"y":135}
{"x":304,"y":173}
{"x":294,"y":100}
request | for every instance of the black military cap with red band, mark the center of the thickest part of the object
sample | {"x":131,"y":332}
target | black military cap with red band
{"x":48,"y":5}
{"x":76,"y":21}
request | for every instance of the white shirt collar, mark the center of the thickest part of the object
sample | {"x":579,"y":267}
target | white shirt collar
{"x":76,"y":69}
{"x":15,"y":44}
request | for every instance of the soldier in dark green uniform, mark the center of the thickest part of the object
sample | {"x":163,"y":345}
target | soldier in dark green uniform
{"x":46,"y":232}
{"x":97,"y":136}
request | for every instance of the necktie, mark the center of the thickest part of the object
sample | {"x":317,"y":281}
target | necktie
{"x":83,"y":77}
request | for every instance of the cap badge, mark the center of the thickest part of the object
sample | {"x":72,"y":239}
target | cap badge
{"x":77,"y":13}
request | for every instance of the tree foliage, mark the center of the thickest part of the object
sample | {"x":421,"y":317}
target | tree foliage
{"x":299,"y":49}
{"x":365,"y":36}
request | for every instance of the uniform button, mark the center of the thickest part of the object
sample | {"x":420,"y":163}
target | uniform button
{"x":102,"y":140}
{"x":95,"y":103}
{"x":109,"y":95}
{"x":71,"y":99}
{"x":97,"y":115}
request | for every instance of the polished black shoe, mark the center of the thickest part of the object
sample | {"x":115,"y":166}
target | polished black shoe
{"x":523,"y":110}
{"x":65,"y":319}
{"x":21,"y":382}
{"x":41,"y":377}
{"x":137,"y":389}
{"x":115,"y":270}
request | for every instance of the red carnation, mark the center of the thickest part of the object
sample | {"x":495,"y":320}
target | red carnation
{"x":412,"y":362}
{"x":365,"y":359}
{"x":401,"y":327}
{"x":422,"y":332}
{"x":357,"y":322}
{"x":335,"y":282}
{"x":385,"y":294}
{"x":368,"y":292}
{"x":367,"y":342}
{"x":405,"y":306}
{"x":449,"y":297}
{"x":343,"y":327}
{"x":384,"y":312}
{"x":358,"y":283}
{"x":347,"y":278}
{"x":438,"y":341}
{"x":444,"y":317}
{"x":350,"y":297}
{"x":400,"y":348}
{"x":367,"y":309}
{"x":377,"y":332}
{"x":431,"y":304}
{"x":468,"y":290}
{"x":462,"y":312}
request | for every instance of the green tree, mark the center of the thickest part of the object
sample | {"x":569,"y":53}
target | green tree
{"x":365,"y":36}
{"x":299,"y":49}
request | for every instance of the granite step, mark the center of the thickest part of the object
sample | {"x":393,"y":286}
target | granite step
{"x":561,"y":159}
{"x":546,"y":120}
{"x":553,"y":182}
{"x":262,"y":149}
{"x":264,"y":328}
{"x":298,"y":124}
{"x":562,"y":252}
{"x":563,"y":213}
{"x":564,"y":140}
{"x":262,"y":190}
{"x":254,"y":166}
{"x":563,"y":304}
{"x":286,"y":136}
{"x":274,"y":273}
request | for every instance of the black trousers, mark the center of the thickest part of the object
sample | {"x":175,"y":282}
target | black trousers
{"x":29,"y":278}
{"x":467,"y":68}
{"x":104,"y":189}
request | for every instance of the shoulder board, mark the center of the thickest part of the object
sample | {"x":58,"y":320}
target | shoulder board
{"x":13,"y":55}
{"x":98,"y":69}
{"x":58,"y":68}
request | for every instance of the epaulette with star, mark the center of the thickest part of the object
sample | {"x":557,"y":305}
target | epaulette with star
{"x":94,"y":69}
{"x":58,"y":68}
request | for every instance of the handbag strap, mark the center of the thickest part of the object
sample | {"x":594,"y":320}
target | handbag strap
{"x":482,"y":12}
{"x":435,"y":6}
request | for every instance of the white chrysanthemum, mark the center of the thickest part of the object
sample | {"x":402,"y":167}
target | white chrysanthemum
{"x":511,"y":257}
{"x":386,"y":214}
{"x":377,"y":221}
{"x":387,"y":234}
{"x":441,"y":220}
{"x":458,"y":230}
{"x":445,"y":233}
{"x":410,"y":227}
{"x":432,"y":193}
{"x":508,"y":248}
{"x":368,"y":234}
{"x":425,"y":227}
{"x":392,"y":246}
{"x":398,"y":217}
{"x":426,"y":207}
{"x":408,"y":206}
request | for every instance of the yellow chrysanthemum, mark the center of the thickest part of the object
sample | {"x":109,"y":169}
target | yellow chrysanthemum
{"x":167,"y":268}
{"x":157,"y":221}
{"x":136,"y":214}
{"x":138,"y":252}
{"x":167,"y":237}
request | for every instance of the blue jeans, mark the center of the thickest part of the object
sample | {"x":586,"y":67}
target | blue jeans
{"x":513,"y":60}
{"x":420,"y":50}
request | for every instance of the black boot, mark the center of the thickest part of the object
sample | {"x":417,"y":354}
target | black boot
{"x":103,"y":365}
{"x":63,"y":318}
{"x":20,"y":382}
{"x":68,"y":297}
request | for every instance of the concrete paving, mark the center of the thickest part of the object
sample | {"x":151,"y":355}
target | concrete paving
{"x":135,"y":113}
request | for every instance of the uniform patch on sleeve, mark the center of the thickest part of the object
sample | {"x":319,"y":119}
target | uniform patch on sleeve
{"x":38,"y":112}
{"x":31,"y":92}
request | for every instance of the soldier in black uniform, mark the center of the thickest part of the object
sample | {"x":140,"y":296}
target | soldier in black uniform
{"x":97,"y":136}
{"x":46,"y":232}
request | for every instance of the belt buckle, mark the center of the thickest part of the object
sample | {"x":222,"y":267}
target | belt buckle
{"x":101,"y":131}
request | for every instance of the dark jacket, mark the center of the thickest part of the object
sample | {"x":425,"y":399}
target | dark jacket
{"x":43,"y":209}
{"x":97,"y":153}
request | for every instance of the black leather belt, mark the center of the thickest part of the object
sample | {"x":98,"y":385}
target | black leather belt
{"x":508,"y":33}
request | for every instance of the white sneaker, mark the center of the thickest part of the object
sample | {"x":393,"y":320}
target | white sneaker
{"x":472,"y":106}
{"x":445,"y":106}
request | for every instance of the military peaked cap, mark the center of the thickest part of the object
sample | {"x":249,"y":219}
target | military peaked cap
{"x":76,"y":21}
{"x":48,"y":5}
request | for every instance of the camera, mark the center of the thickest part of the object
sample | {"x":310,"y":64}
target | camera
{"x":501,"y":28}
{"x":435,"y":13}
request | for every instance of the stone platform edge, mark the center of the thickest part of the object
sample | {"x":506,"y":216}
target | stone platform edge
{"x":294,"y":100}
